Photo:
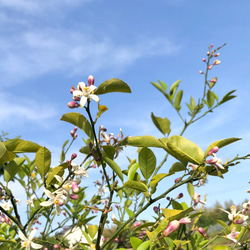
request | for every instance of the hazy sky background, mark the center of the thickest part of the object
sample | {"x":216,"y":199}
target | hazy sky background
{"x":48,"y":46}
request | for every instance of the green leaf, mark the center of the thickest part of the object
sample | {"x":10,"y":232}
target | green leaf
{"x":147,"y":162}
{"x":21,"y":146}
{"x":158,"y":86}
{"x":210,"y":98}
{"x":145,"y":245}
{"x":221,"y":247}
{"x":163,"y":84}
{"x":228,"y":97}
{"x":222,"y":223}
{"x":177,"y":167}
{"x":113,"y":85}
{"x":43,"y":160}
{"x":176,"y":205}
{"x":109,"y":151}
{"x":142,"y":141}
{"x":155,"y":180}
{"x":221,"y":143}
{"x":173,"y":214}
{"x":132,"y":170}
{"x":135,"y":242}
{"x":190,"y":189}
{"x":129,"y":212}
{"x":169,"y":242}
{"x":59,"y":170}
{"x":80,"y":121}
{"x":173,"y":88}
{"x":114,"y":166}
{"x":4,"y":156}
{"x":184,"y":150}
{"x":92,"y":229}
{"x":137,"y":185}
{"x":101,"y":110}
{"x":12,"y":168}
{"x":163,"y":124}
{"x":177,"y":101}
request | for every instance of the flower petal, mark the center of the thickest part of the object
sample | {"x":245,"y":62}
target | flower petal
{"x":46,"y":203}
{"x":22,"y":236}
{"x":83,"y":101}
{"x":36,"y":246}
{"x":94,"y":97}
{"x":48,"y":193}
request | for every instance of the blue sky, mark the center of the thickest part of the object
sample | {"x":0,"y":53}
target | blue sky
{"x":48,"y":46}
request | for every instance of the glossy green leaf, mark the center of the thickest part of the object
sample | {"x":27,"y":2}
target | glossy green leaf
{"x":177,"y":167}
{"x":132,"y":170}
{"x":135,"y":242}
{"x":169,"y":242}
{"x":109,"y":151}
{"x":176,"y":205}
{"x":129,"y":212}
{"x":147,"y":162}
{"x":92,"y":230}
{"x":137,"y":185}
{"x":221,"y":143}
{"x":4,"y":156}
{"x":155,"y":180}
{"x":163,"y":84}
{"x":177,"y":100}
{"x":184,"y":150}
{"x":80,"y":121}
{"x":113,"y":85}
{"x":114,"y":166}
{"x":101,"y":110}
{"x":21,"y":146}
{"x":145,"y":245}
{"x":210,"y":98}
{"x":59,"y":170}
{"x":190,"y":189}
{"x":174,"y":214}
{"x":158,"y":86}
{"x":43,"y":160}
{"x":163,"y":124}
{"x":221,"y":247}
{"x":12,"y":168}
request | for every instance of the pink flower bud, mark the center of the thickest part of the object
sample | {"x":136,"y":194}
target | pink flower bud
{"x":216,"y":62}
{"x":211,"y":161}
{"x":213,"y":80}
{"x":91,"y":80}
{"x":202,"y":231}
{"x":180,"y":195}
{"x":204,"y":60}
{"x":93,"y":166}
{"x":208,"y":53}
{"x":75,"y":187}
{"x":177,"y":180}
{"x":216,"y":55}
{"x":76,"y":98}
{"x":64,"y":213}
{"x":75,"y":136}
{"x":73,"y":104}
{"x":56,"y":246}
{"x":74,"y":196}
{"x":172,"y":227}
{"x":72,"y":133}
{"x":213,"y":151}
{"x":211,"y":46}
{"x":185,"y":220}
{"x":137,"y":224}
{"x":116,"y":240}
{"x":210,"y":66}
{"x":116,"y":205}
{"x":72,"y":90}
{"x":156,"y":209}
{"x":201,"y":72}
{"x":75,"y":129}
{"x":73,"y":156}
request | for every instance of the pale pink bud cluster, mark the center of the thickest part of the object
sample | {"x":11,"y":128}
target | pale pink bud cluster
{"x":73,"y":104}
{"x":202,"y":232}
{"x":73,"y":133}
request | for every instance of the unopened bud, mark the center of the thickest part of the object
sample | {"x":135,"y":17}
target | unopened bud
{"x":202,"y":231}
{"x":213,"y":151}
{"x":211,"y":46}
{"x":213,"y":80}
{"x":172,"y":227}
{"x":156,"y":209}
{"x":208,"y":53}
{"x":74,"y":196}
{"x":64,"y":213}
{"x":216,"y":62}
{"x":201,"y":72}
{"x":91,"y":80}
{"x":204,"y":60}
{"x":210,"y":66}
{"x":75,"y":187}
{"x":73,"y":104}
{"x":180,"y":195}
{"x":177,"y":179}
{"x":73,"y":156}
{"x":56,"y":246}
{"x":216,"y":55}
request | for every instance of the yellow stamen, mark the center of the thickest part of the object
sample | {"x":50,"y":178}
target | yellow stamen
{"x":226,"y":161}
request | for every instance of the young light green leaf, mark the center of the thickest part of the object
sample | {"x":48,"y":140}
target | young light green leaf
{"x":163,"y":124}
{"x":177,"y":101}
{"x":135,"y":242}
{"x":173,"y":88}
{"x":4,"y":156}
{"x":147,"y":162}
{"x":12,"y":168}
{"x":145,"y":245}
{"x":80,"y":121}
{"x":228,"y":97}
{"x":137,"y":185}
{"x":221,"y":143}
{"x":210,"y":98}
{"x":21,"y":146}
{"x":155,"y":180}
{"x":129,"y":211}
{"x":113,"y":85}
{"x":92,"y":230}
{"x":59,"y":170}
{"x":114,"y":166}
{"x":43,"y":160}
{"x":109,"y":151}
{"x":190,"y":189}
{"x":101,"y":110}
{"x":132,"y":170}
{"x":184,"y":150}
{"x":158,"y":86}
{"x":163,"y":84}
{"x":176,"y":167}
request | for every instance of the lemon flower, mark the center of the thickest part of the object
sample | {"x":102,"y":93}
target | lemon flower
{"x":27,"y":242}
{"x":85,"y":92}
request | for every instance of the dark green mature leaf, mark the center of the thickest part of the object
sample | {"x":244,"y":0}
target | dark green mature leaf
{"x":113,"y":85}
{"x":221,"y":143}
{"x":115,"y":167}
{"x":43,"y":160}
{"x":80,"y":121}
{"x":184,"y":150}
{"x":163,"y":124}
{"x":109,"y":151}
{"x":177,"y":101}
{"x":147,"y":162}
{"x":21,"y":146}
{"x":155,"y":180}
{"x":12,"y":168}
